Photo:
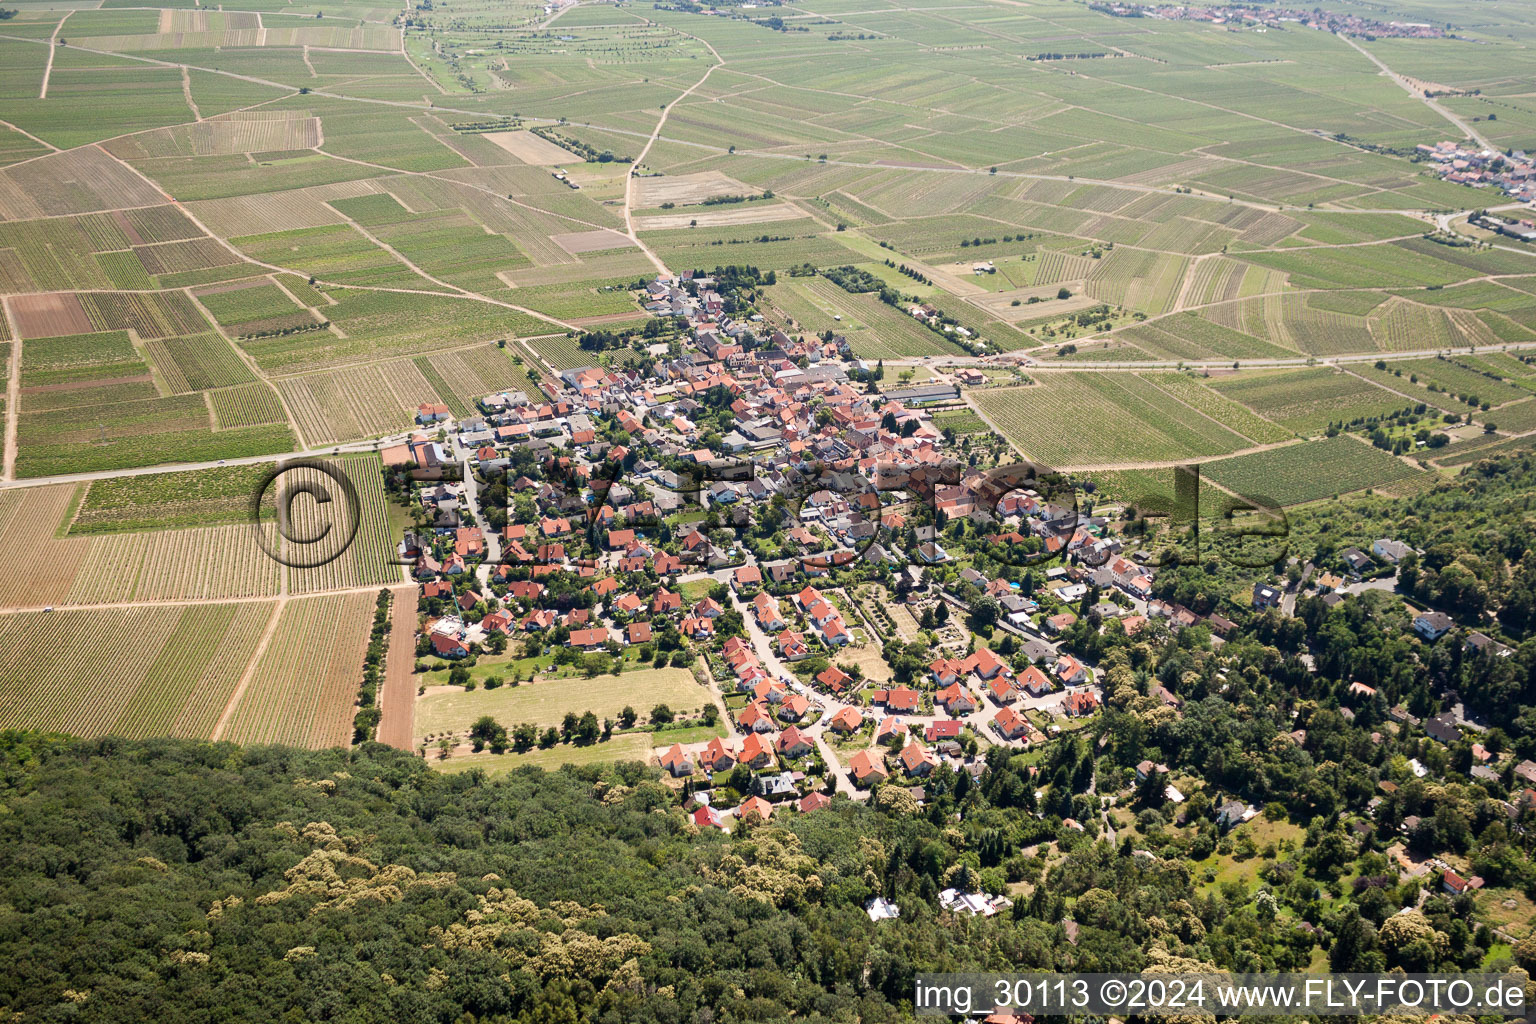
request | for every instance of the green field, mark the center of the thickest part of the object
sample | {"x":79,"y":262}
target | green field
{"x":545,"y":702}
{"x":1307,"y":401}
{"x":202,"y":497}
{"x":1309,"y":471}
{"x":1102,"y":418}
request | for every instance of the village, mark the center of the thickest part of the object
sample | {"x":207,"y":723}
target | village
{"x":1264,"y":16}
{"x":1513,"y":173}
{"x":861,"y":603}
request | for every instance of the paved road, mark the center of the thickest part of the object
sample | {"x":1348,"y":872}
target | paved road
{"x":177,"y":467}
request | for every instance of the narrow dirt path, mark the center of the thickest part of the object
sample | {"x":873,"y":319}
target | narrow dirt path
{"x":186,"y":93}
{"x":629,"y":180}
{"x":1460,"y":125}
{"x":12,"y":401}
{"x":53,"y":47}
{"x":250,"y":669}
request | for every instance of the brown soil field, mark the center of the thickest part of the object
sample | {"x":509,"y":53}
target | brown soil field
{"x":49,"y":316}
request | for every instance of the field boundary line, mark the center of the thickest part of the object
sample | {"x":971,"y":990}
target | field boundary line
{"x":250,"y":669}
{"x":1202,"y":412}
{"x":186,"y":92}
{"x":12,"y":396}
{"x":406,"y":54}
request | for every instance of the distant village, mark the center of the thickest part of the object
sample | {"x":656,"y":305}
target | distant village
{"x":1512,"y":173}
{"x":1277,"y":17}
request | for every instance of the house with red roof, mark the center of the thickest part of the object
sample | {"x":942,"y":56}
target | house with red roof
{"x":588,"y":639}
{"x":813,"y":802}
{"x":766,"y":609}
{"x":1070,"y":671}
{"x":793,"y":743}
{"x":754,"y":807}
{"x":1084,"y":702}
{"x":717,"y":757}
{"x":705,"y":816}
{"x":638,"y":633}
{"x":916,"y":759}
{"x":793,"y":707}
{"x":1010,"y":724}
{"x":943,"y":730}
{"x":498,"y":621}
{"x":946,"y":671}
{"x":447,"y":646}
{"x":1035,"y":682}
{"x":792,"y":646}
{"x":1003,"y":690}
{"x":902,"y":699}
{"x":956,"y":699}
{"x":867,"y":768}
{"x":755,"y":752}
{"x":677,"y":762}
{"x":746,"y":578}
{"x":665,"y":601}
{"x":985,"y":664}
{"x":848,"y":720}
{"x":834,"y":678}
{"x":537,"y":620}
{"x":755,"y":718}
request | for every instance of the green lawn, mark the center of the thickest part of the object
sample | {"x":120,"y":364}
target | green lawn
{"x":547,"y":701}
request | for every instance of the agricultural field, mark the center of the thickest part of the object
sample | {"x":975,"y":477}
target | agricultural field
{"x":1308,"y":471}
{"x":172,"y":669}
{"x":162,"y":501}
{"x":1076,"y":419}
{"x":302,"y":689}
{"x":1307,"y":401}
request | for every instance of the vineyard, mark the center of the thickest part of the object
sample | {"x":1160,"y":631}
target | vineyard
{"x":29,"y":521}
{"x":1102,"y":418}
{"x":303,"y":688}
{"x":198,"y":362}
{"x":245,"y":405}
{"x":1309,"y":471}
{"x":125,"y":671}
{"x":1223,"y":410}
{"x":157,"y":501}
{"x":371,"y":557}
{"x":1308,"y":400}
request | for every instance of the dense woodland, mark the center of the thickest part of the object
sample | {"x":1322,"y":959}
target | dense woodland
{"x":169,"y":880}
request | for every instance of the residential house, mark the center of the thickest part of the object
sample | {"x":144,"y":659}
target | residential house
{"x":867,"y":768}
{"x":1432,"y":625}
{"x":717,"y":757}
{"x":792,"y":742}
{"x":677,"y":762}
{"x":1084,"y":702}
{"x":755,"y":752}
